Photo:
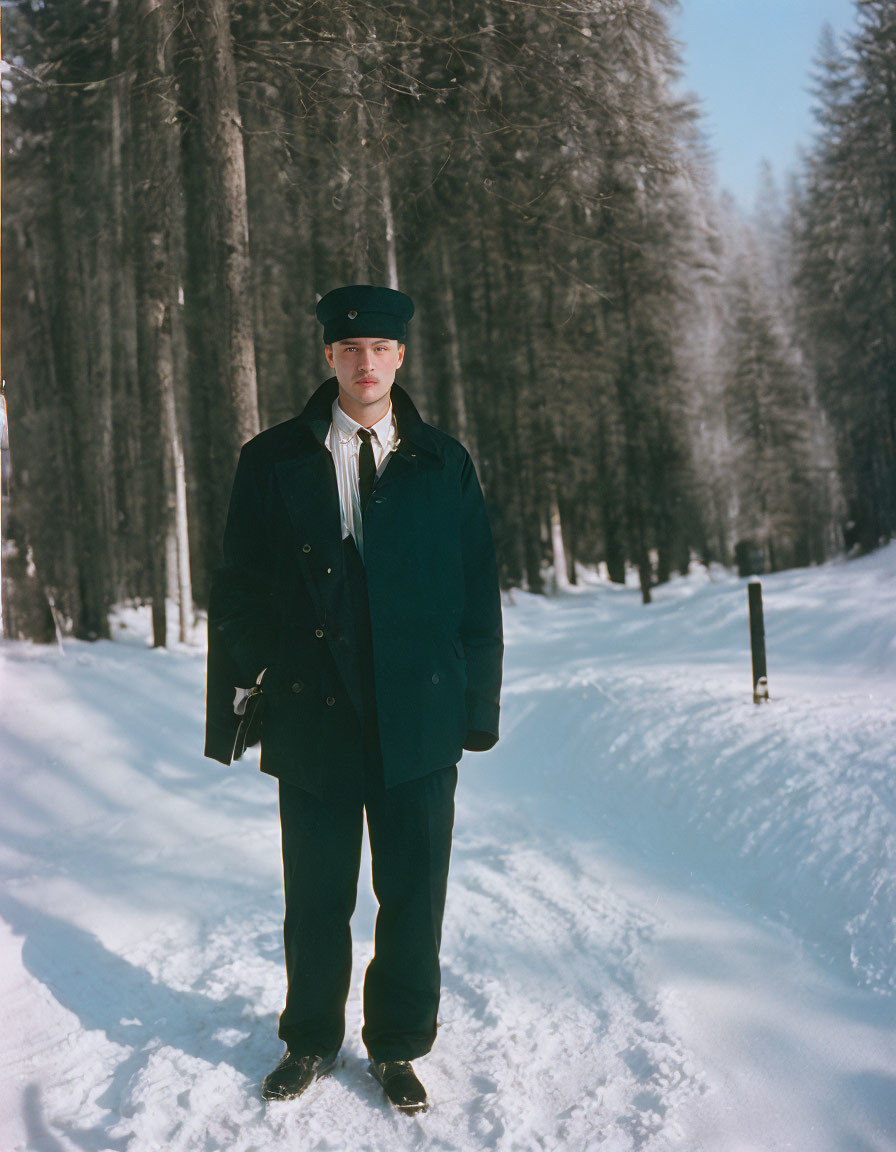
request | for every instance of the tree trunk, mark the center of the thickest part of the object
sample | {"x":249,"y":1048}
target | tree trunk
{"x":561,"y":576}
{"x":567,"y":510}
{"x":156,"y":174}
{"x":210,"y":448}
{"x":130,"y":528}
{"x":457,"y":401}
{"x":59,"y":446}
{"x":84,"y":429}
{"x":358,"y":199}
{"x":181,"y":524}
{"x":222,"y":132}
{"x":634,"y":450}
{"x":391,"y":255}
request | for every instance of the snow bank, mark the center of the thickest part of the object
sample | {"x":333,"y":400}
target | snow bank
{"x":637,"y":724}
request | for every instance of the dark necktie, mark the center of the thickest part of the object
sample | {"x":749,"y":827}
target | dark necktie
{"x":366,"y":467}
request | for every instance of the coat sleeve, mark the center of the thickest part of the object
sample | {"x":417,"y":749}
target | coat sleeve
{"x":241,"y":622}
{"x":481,"y":630}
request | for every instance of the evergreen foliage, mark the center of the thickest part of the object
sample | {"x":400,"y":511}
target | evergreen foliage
{"x":846,"y":218}
{"x":627,"y":377}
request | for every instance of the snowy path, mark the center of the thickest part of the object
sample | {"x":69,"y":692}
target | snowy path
{"x":670,"y":920}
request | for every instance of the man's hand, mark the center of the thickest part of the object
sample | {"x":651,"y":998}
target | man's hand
{"x":477,"y":741}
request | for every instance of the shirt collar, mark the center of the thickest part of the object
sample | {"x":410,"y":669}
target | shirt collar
{"x":347,"y":428}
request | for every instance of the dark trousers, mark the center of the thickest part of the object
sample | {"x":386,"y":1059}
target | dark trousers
{"x":410,"y":844}
{"x":410,"y":829}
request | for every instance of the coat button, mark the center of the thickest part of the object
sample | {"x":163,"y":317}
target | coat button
{"x":306,"y":547}
{"x":329,"y":570}
{"x":435,"y":677}
{"x":298,"y":686}
{"x":319,"y":632}
{"x":331,"y":700}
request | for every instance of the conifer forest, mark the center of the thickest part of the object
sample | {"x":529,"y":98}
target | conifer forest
{"x":645,"y":373}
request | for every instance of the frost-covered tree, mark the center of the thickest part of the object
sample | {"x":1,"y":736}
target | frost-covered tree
{"x":847,"y":272}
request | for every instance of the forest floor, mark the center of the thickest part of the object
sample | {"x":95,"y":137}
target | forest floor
{"x":670,"y":918}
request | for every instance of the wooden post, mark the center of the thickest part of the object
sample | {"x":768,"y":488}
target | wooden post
{"x":757,"y":642}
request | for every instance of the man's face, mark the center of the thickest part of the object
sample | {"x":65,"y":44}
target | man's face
{"x":365,"y":368}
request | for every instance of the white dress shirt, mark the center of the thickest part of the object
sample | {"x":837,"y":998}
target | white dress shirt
{"x":344,"y":443}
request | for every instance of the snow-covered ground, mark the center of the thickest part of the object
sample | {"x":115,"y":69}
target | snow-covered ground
{"x":670,"y":917}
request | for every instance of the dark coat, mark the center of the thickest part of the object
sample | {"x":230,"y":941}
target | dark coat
{"x":280,"y":602}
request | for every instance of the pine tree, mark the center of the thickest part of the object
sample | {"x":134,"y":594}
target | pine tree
{"x":847,"y":247}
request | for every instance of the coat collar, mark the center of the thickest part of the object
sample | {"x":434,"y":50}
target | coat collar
{"x":316,"y":416}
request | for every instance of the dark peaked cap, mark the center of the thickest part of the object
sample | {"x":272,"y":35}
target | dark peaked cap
{"x":364,"y":310}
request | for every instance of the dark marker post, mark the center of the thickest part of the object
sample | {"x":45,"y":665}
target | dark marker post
{"x":757,"y":642}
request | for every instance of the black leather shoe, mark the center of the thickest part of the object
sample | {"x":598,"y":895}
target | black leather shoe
{"x":400,"y":1084}
{"x":293,"y":1075}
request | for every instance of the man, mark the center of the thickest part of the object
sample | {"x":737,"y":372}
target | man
{"x":359,"y":583}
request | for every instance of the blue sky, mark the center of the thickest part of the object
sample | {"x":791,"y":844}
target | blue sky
{"x":749,"y":62}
